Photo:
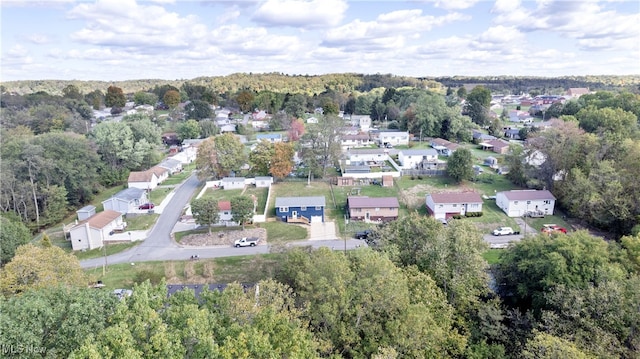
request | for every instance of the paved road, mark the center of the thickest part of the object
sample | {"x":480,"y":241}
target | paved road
{"x":503,"y":241}
{"x":159,"y":246}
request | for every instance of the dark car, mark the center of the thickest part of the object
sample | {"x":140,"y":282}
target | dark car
{"x":363,"y":234}
{"x":146,"y":206}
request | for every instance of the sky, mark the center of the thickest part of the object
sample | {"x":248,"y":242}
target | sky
{"x":115,"y":40}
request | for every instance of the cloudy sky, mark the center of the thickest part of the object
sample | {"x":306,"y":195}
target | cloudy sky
{"x":173,"y":39}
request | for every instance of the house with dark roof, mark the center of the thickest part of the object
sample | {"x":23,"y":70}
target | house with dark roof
{"x":497,"y":146}
{"x":126,"y":201}
{"x":481,"y":136}
{"x":91,"y":232}
{"x":172,"y":165}
{"x":382,"y":209}
{"x":445,"y":205}
{"x":518,"y":203}
{"x":300,"y":209}
{"x":269,"y":137}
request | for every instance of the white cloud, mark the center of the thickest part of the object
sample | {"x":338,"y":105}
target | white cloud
{"x":38,"y":38}
{"x":387,"y":27}
{"x":125,"y":23}
{"x":252,"y":41}
{"x":300,"y":13}
{"x":455,"y":4}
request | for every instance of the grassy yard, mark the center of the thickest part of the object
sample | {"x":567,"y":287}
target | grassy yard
{"x":219,"y":270}
{"x":277,"y":232}
{"x":157,"y":195}
{"x":141,"y":222}
{"x":222,"y":194}
{"x":492,"y":256}
{"x":109,"y":248}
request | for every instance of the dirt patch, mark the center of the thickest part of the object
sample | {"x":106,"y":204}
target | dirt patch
{"x":223,"y":238}
{"x":414,"y":197}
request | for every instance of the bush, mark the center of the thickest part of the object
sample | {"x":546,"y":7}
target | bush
{"x":153,"y":277}
{"x":456,"y":216}
{"x":474,"y":214}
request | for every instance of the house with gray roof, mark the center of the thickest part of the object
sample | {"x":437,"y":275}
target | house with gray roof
{"x":126,"y":201}
{"x":300,"y":209}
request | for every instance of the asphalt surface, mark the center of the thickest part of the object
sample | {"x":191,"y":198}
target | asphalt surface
{"x":159,"y":245}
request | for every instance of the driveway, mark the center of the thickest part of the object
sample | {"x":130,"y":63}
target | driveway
{"x":503,"y":241}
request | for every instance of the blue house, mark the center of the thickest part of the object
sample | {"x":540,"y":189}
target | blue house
{"x":300,"y":209}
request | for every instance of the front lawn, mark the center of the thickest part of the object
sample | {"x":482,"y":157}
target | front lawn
{"x":160,"y":193}
{"x":141,"y":222}
{"x":109,"y":249}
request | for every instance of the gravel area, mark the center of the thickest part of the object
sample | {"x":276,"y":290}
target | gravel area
{"x":223,"y":238}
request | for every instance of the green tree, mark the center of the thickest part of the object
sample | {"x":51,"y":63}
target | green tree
{"x":545,"y":346}
{"x":13,"y":233}
{"x":462,"y":92}
{"x":115,"y":97}
{"x":205,"y":211}
{"x":72,"y":92}
{"x":188,"y":129}
{"x":321,"y":144}
{"x":58,"y":319}
{"x":117,"y":147}
{"x":451,"y":255}
{"x":145,"y":98}
{"x":260,"y":158}
{"x":477,"y":106}
{"x":231,"y":154}
{"x":459,"y":165}
{"x":242,"y":209}
{"x":330,"y":107}
{"x":35,"y":267}
{"x":208,"y":129}
{"x":171,"y":98}
{"x":295,"y":105}
{"x":95,"y":98}
{"x":198,"y":110}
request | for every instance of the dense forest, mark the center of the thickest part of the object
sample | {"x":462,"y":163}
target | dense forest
{"x":422,"y":290}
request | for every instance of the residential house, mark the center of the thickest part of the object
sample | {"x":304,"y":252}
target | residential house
{"x":518,"y":203}
{"x":393,"y":138}
{"x":91,"y":232}
{"x":512,"y":133}
{"x":520,"y":116}
{"x":126,"y":201}
{"x":146,"y":180}
{"x":312,"y":120}
{"x":231,"y":128}
{"x":259,"y":115}
{"x":444,"y":147}
{"x":382,"y":209}
{"x":225,"y":217}
{"x":300,"y":209}
{"x":361,"y":121}
{"x":421,"y":159}
{"x":232,"y":183}
{"x":263,"y":181}
{"x":269,"y":137}
{"x":444,"y":206}
{"x":172,"y":165}
{"x":186,"y":155}
{"x":497,"y":146}
{"x":161,"y":172}
{"x":351,"y":141}
{"x":367,"y":155}
{"x":479,"y":136}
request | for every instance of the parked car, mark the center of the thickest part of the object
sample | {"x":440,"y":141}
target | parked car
{"x":503,"y":231}
{"x":246,"y":242}
{"x":146,"y":206}
{"x":363,"y":234}
{"x":552,"y":228}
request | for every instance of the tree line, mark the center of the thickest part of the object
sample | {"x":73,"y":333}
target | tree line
{"x":421,"y":290}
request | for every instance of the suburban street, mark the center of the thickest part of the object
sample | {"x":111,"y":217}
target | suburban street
{"x":158,"y":246}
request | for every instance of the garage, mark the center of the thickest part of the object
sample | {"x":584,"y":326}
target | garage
{"x":316,"y":219}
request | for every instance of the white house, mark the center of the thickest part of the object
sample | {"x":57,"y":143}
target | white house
{"x":225,"y":217}
{"x":232,"y":183}
{"x":361,"y":121}
{"x":146,"y":180}
{"x":93,"y":231}
{"x":126,"y":201}
{"x":518,"y":203}
{"x":359,"y":140}
{"x":86,"y":212}
{"x":161,"y":172}
{"x":444,"y":147}
{"x":263,"y":181}
{"x":187,"y":155}
{"x":520,"y":116}
{"x":172,"y":165}
{"x":366,"y":155}
{"x":424,"y":158}
{"x":446,"y":205}
{"x":393,"y":137}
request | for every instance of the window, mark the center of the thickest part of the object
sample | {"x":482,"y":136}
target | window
{"x":455,"y":205}
{"x":303,"y":208}
{"x":377,"y":209}
{"x":515,"y":202}
{"x":546,"y":201}
{"x":318,"y":208}
{"x":284,"y":209}
{"x":474,"y":205}
{"x":440,"y":206}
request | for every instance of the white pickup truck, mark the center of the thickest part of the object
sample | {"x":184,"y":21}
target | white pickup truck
{"x":246,"y":242}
